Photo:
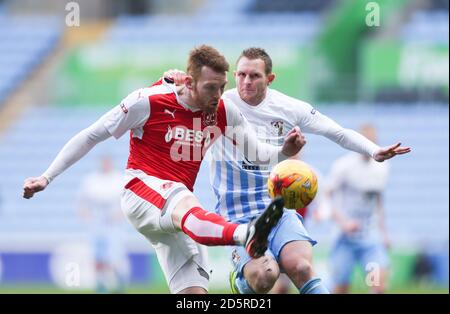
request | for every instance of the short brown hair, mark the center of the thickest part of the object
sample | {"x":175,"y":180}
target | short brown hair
{"x":206,"y":56}
{"x":253,"y":53}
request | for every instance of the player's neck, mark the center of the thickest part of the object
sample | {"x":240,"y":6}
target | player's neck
{"x":185,"y":97}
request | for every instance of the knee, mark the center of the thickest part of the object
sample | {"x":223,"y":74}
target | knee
{"x":263,"y":278}
{"x":302,"y":269}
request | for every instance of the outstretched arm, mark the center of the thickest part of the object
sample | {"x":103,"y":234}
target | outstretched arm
{"x":74,"y":150}
{"x":317,"y":123}
{"x":132,"y":113}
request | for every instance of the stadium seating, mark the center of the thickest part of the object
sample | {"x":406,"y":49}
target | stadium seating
{"x":233,"y":20}
{"x":438,"y":5}
{"x":290,"y":5}
{"x":427,"y":27}
{"x":428,"y":24}
{"x":170,"y":29}
{"x":25,"y":43}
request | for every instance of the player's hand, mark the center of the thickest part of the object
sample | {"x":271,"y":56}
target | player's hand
{"x":388,"y":152}
{"x":293,"y":142}
{"x":350,"y":226}
{"x":33,"y":185}
{"x":175,"y":75}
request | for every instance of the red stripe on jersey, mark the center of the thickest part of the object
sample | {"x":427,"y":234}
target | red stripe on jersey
{"x":142,"y":190}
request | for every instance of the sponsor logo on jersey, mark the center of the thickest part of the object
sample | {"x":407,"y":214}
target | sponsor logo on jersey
{"x":187,"y":136}
{"x":249,"y":166}
{"x":277,"y":127}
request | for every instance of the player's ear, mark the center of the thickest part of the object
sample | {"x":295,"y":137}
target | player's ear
{"x":270,"y":78}
{"x":189,"y":82}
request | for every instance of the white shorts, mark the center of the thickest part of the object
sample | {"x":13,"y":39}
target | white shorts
{"x":148,"y":203}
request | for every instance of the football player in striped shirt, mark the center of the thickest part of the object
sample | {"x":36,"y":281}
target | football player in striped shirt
{"x":241,"y":185}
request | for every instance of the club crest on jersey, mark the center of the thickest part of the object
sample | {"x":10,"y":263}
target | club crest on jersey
{"x":209,"y":119}
{"x":277,"y":127}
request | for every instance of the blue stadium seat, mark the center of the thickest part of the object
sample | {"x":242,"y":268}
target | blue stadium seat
{"x":25,"y":44}
{"x":302,"y":26}
{"x":427,"y":27}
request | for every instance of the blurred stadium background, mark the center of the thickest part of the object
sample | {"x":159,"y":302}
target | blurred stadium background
{"x":57,"y":79}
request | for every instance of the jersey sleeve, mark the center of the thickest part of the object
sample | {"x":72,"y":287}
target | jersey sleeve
{"x":76,"y":148}
{"x":239,"y":131}
{"x":312,"y":121}
{"x":131,"y":113}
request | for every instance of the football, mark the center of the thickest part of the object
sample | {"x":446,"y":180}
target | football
{"x":295,"y":181}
